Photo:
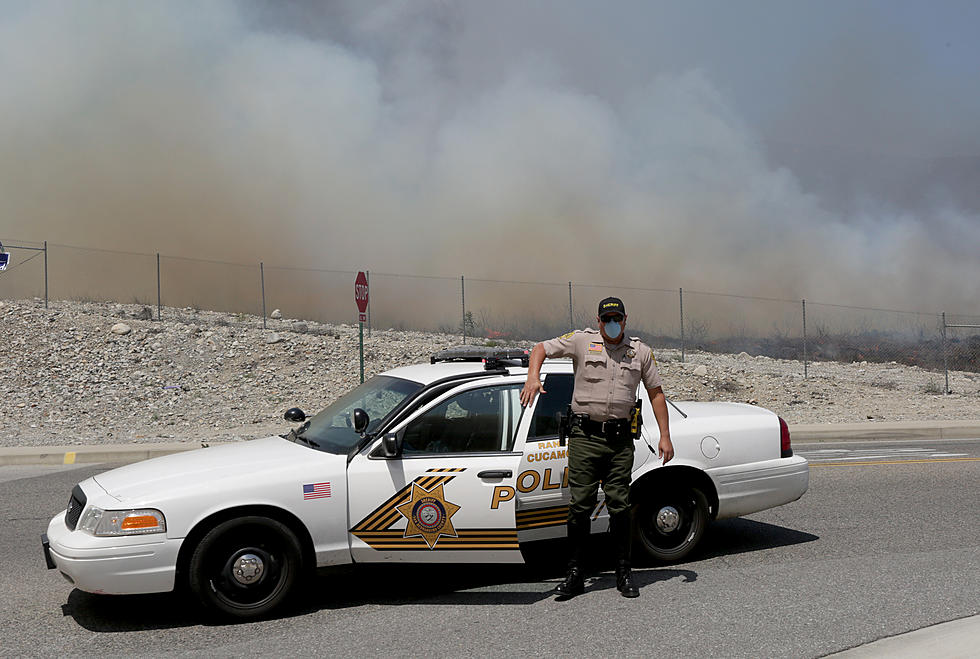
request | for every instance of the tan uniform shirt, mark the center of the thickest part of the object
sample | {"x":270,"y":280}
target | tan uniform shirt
{"x":606,"y":374}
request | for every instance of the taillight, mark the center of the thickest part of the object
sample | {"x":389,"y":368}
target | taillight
{"x":786,"y":451}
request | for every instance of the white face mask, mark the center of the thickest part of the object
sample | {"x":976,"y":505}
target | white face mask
{"x":613,"y":329}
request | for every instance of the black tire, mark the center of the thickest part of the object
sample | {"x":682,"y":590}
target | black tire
{"x":267,"y":557}
{"x":685,"y":518}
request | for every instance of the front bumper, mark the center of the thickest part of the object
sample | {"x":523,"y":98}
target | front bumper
{"x":116,"y":566}
{"x":749,"y":488}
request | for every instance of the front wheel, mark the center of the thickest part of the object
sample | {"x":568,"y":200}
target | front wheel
{"x":243,"y":568}
{"x":670,"y":522}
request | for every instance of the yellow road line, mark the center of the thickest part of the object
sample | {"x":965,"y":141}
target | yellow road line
{"x":890,"y":462}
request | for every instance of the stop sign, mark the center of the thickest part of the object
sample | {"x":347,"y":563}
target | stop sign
{"x":361,"y":292}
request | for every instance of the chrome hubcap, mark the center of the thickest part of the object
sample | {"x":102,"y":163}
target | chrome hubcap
{"x":668,"y":519}
{"x":247,"y":569}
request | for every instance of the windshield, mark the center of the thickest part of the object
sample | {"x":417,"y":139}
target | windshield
{"x":333,"y":428}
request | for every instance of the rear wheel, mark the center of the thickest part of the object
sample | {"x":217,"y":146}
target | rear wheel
{"x":670,"y":522}
{"x":244,"y":568}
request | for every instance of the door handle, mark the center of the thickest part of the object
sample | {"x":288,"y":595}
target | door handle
{"x":495,"y":473}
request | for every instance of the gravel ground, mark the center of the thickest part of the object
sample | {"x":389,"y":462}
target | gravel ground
{"x":72,"y":375}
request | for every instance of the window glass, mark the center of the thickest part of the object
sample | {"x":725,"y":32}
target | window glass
{"x":331,"y":430}
{"x":474,"y":421}
{"x":557,"y":399}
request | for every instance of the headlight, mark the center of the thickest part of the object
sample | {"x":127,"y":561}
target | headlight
{"x":122,"y":522}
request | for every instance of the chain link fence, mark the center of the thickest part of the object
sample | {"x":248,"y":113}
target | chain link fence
{"x":500,"y":311}
{"x":961,"y":343}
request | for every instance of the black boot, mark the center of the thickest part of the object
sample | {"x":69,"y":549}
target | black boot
{"x":574,"y":583}
{"x":624,"y":580}
{"x":621,"y":529}
{"x":578,"y":537}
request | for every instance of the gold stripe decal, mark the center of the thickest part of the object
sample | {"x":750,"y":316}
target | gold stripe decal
{"x":542,"y":517}
{"x":429,"y":521}
{"x":472,"y":539}
{"x":387,"y":513}
{"x":598,"y":510}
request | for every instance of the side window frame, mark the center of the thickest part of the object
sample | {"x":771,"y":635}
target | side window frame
{"x":510,"y":389}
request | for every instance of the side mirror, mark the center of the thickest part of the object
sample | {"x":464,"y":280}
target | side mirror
{"x":390,"y":445}
{"x":361,"y":420}
{"x":294,"y":414}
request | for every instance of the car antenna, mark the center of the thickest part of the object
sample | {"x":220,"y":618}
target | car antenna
{"x":675,"y":407}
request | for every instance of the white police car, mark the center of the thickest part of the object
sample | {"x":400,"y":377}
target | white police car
{"x":426,"y":463}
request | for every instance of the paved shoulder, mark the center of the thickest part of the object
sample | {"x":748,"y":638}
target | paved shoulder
{"x":949,"y":640}
{"x":889,"y":430}
{"x":67,"y":455}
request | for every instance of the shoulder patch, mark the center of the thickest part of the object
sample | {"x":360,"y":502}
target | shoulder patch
{"x":566,"y":336}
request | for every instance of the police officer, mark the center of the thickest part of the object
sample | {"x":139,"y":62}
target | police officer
{"x":608,"y":369}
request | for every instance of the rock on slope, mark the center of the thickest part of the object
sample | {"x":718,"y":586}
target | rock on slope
{"x":71,"y":375}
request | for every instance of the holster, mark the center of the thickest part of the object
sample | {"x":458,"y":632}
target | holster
{"x":636,"y":419}
{"x":564,"y":425}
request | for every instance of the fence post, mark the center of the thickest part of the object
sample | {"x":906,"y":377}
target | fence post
{"x":945,"y":361}
{"x":368,"y":273}
{"x":159,"y":305}
{"x":262,"y":278}
{"x":45,"y":274}
{"x":680,"y":292}
{"x":462,"y":297}
{"x":804,"y":340}
{"x":571,"y":326}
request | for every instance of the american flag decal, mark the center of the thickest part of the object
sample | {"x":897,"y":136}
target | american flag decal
{"x":316,"y":490}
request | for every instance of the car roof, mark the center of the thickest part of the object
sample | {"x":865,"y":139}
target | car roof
{"x":428,"y":373}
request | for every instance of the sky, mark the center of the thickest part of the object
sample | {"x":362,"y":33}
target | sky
{"x":826,"y":150}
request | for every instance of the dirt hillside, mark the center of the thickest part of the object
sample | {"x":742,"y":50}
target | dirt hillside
{"x":86,"y":372}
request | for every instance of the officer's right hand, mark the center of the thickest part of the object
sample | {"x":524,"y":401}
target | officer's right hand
{"x":530,"y":390}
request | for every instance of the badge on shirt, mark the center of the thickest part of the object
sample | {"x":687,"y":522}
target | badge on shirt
{"x":595,"y":347}
{"x":631,"y":353}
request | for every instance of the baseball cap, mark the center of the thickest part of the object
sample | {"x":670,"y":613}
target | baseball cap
{"x":611,"y":305}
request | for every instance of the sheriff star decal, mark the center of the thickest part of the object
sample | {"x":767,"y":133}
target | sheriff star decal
{"x":429,"y":514}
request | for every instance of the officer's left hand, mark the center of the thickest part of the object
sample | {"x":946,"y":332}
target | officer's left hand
{"x":666,"y":448}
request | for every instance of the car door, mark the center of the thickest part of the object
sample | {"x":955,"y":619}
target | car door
{"x":443,"y":498}
{"x":542,"y":481}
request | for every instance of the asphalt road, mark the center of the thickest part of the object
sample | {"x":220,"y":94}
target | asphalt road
{"x":885,"y":541}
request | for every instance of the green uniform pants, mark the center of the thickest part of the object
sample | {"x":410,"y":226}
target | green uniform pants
{"x":597,"y":458}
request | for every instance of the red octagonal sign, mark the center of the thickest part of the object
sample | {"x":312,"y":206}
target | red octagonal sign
{"x":361,"y":292}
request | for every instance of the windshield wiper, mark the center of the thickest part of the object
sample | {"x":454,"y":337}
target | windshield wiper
{"x":298,"y":436}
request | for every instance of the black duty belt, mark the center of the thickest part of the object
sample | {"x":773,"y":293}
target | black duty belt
{"x":608,"y":428}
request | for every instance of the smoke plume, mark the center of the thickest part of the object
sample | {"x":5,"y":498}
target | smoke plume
{"x":641,"y":145}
